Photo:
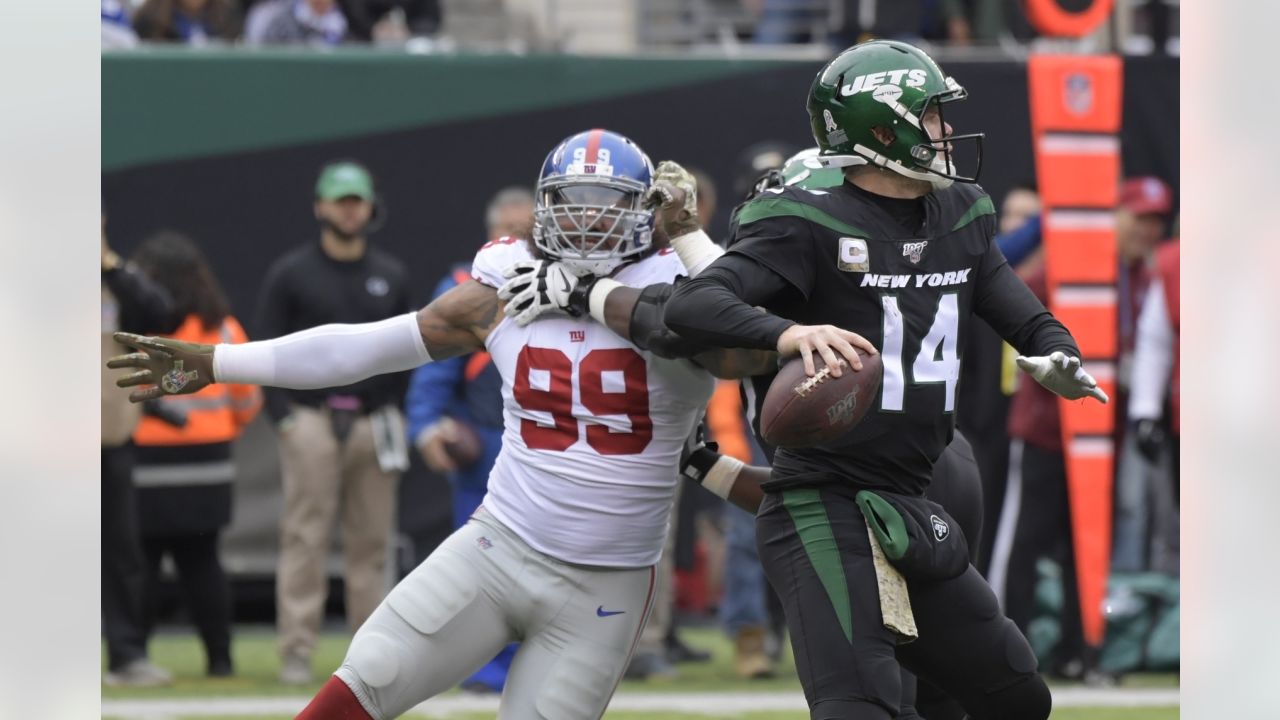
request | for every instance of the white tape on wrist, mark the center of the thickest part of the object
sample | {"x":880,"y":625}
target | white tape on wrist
{"x":595,"y":301}
{"x":721,"y":477}
{"x":696,"y":250}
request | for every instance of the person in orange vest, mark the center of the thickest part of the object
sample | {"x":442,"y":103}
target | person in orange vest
{"x":184,"y":443}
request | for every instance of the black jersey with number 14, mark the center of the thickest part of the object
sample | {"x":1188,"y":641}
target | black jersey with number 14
{"x":849,"y":263}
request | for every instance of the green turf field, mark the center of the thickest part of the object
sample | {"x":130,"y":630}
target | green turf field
{"x":257,"y":665}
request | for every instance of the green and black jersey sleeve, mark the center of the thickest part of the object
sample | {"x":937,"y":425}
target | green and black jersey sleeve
{"x":770,"y":264}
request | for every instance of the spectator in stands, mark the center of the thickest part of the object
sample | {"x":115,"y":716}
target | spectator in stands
{"x":131,"y":302}
{"x":297,"y":22}
{"x":946,"y":21}
{"x":371,"y":20}
{"x":117,"y":30}
{"x":1153,"y":413}
{"x":341,"y":449}
{"x":185,"y":468}
{"x":195,"y":22}
{"x":1144,"y":209}
{"x":787,"y":21}
{"x":454,"y":409}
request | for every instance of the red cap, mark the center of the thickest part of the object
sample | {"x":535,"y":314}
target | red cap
{"x":1143,"y":195}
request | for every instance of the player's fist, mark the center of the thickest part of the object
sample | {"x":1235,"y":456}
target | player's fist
{"x":534,"y":287}
{"x":828,"y":341}
{"x":1062,"y":375}
{"x":674,"y":198}
{"x":172,"y":367}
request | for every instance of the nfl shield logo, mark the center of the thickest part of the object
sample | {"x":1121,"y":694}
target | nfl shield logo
{"x":913,"y":250}
{"x":940,"y":528}
{"x":1077,"y":93}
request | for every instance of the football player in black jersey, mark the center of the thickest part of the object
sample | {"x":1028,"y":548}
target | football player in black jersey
{"x":897,"y":258}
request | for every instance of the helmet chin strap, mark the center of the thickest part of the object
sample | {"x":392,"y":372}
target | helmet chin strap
{"x":867,"y":155}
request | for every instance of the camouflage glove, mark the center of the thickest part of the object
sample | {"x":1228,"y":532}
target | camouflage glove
{"x":674,"y":196}
{"x":1062,"y":375}
{"x":182,"y":368}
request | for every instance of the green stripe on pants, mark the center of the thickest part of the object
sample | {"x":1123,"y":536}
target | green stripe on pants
{"x":810,"y":518}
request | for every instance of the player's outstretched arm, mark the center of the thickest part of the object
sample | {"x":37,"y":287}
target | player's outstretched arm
{"x":325,"y":356}
{"x":1048,"y":353}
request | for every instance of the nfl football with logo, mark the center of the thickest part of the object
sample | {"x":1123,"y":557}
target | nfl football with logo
{"x":802,"y":411}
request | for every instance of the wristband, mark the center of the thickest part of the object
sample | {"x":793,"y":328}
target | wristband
{"x":713,"y":471}
{"x":696,"y":251}
{"x":596,"y":296}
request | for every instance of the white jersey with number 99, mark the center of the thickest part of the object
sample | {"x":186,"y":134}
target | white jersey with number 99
{"x":593,"y":427}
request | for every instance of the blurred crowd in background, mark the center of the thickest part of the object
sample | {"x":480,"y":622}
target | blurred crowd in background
{"x":614,"y":26}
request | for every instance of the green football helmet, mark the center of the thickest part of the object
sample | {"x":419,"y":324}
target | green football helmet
{"x":886,"y":84}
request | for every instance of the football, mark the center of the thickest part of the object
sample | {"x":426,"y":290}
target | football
{"x":802,"y":411}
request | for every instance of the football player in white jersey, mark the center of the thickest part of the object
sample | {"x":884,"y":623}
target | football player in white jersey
{"x":561,"y":554}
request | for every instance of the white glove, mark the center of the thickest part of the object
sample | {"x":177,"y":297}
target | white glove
{"x":1062,"y":375}
{"x":534,"y":287}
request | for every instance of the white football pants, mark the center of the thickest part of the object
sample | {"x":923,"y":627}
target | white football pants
{"x":482,"y":588}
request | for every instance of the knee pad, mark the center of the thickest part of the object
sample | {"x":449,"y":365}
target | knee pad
{"x":374,"y":658}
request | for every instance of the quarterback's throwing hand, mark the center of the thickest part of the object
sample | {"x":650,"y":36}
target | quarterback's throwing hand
{"x":1062,"y":375}
{"x":172,"y":367}
{"x":534,"y":287}
{"x":828,"y":341}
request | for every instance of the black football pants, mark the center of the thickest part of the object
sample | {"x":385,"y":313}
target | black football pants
{"x":816,"y":553}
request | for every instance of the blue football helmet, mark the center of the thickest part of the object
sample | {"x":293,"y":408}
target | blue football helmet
{"x":589,"y":205}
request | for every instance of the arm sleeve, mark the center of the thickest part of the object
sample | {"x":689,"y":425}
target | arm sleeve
{"x":272,"y":322}
{"x":649,"y":332}
{"x":1008,"y":305}
{"x":246,"y":400}
{"x":145,"y":306}
{"x":433,"y":386}
{"x":325,"y":356}
{"x":1152,"y":356}
{"x":717,"y":308}
{"x":1018,"y":244}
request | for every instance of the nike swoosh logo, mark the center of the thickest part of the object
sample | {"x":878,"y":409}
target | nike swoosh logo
{"x":565,"y":280}
{"x":601,"y":612}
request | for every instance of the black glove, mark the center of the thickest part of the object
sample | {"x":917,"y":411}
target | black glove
{"x":580,"y":297}
{"x":1150,"y":437}
{"x":698,"y":455}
